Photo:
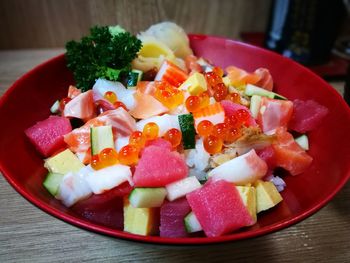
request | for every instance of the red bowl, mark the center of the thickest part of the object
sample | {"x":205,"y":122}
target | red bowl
{"x":30,"y":98}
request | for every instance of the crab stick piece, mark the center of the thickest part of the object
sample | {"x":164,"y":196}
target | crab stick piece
{"x":214,"y":113}
{"x":171,"y":73}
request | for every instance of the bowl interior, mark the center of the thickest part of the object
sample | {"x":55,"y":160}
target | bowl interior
{"x":30,"y":98}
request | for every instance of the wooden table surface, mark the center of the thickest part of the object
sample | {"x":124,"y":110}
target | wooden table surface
{"x":28,"y":234}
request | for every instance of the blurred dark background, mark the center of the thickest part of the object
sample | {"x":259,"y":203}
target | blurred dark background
{"x":315,"y":33}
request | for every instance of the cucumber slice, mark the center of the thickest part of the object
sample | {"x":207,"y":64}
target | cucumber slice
{"x":139,"y":72}
{"x":101,"y":138}
{"x":251,"y":90}
{"x":192,"y":224}
{"x":303,"y":141}
{"x":147,"y":197}
{"x":52,"y":182}
{"x":55,"y":108}
{"x":255,"y":105}
{"x":134,"y":77}
{"x":186,"y":122}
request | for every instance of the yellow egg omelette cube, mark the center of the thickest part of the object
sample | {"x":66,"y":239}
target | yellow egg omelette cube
{"x":140,"y":221}
{"x":63,"y":163}
{"x":248,"y":195}
{"x":195,"y":84}
{"x":267,"y":195}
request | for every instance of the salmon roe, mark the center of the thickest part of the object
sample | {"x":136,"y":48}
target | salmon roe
{"x":212,"y":78}
{"x":218,"y":71}
{"x":110,"y":96}
{"x":234,"y":97}
{"x":108,"y":157}
{"x":168,"y":95}
{"x":193,"y":103}
{"x":137,"y":139}
{"x":232,"y":121}
{"x":105,"y":158}
{"x":95,"y":162}
{"x":204,"y":128}
{"x":220,"y":91}
{"x":118,"y":104}
{"x":129,"y":155}
{"x":205,"y":99}
{"x":173,"y":136}
{"x":220,"y":130}
{"x":242,"y":115}
{"x":151,"y":131}
{"x":212,"y":144}
{"x":232,"y":135}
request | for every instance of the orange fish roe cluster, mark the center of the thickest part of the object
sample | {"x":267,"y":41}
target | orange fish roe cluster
{"x":168,"y":95}
{"x":234,"y":97}
{"x":151,"y":131}
{"x":195,"y":103}
{"x":228,"y":131}
{"x":105,"y":158}
{"x":218,"y":89}
{"x":174,"y":136}
{"x":110,"y":96}
{"x":137,"y":139}
{"x":129,"y":155}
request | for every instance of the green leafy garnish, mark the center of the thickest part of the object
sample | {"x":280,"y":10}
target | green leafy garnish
{"x":106,"y":53}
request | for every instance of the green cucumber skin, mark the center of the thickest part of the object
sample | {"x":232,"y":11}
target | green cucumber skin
{"x":186,"y":122}
{"x":139,"y":72}
{"x":149,"y":195}
{"x":134,"y":77}
{"x":254,"y":90}
{"x":303,"y":142}
{"x":255,"y":105}
{"x":188,"y":226}
{"x":52,"y":182}
{"x":101,"y":132}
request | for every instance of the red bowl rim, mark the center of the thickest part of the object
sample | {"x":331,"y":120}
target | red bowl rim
{"x":163,"y":240}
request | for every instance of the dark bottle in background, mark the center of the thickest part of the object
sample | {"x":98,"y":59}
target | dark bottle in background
{"x":305,"y":30}
{"x":347,"y":87}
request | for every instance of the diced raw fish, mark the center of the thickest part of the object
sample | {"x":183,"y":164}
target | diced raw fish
{"x":122,"y":123}
{"x":105,"y":209}
{"x":74,"y":187}
{"x":288,"y":154}
{"x":159,"y":142}
{"x":107,"y":178}
{"x":158,"y":167}
{"x":182,"y":187}
{"x":81,"y":107}
{"x":172,"y":216}
{"x":73,"y":92}
{"x":47,"y":135}
{"x":307,"y":115}
{"x":274,"y":113}
{"x":219,"y":208}
{"x":146,"y":106}
{"x":241,"y":170}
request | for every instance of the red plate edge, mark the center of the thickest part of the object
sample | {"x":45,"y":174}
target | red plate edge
{"x":175,"y":241}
